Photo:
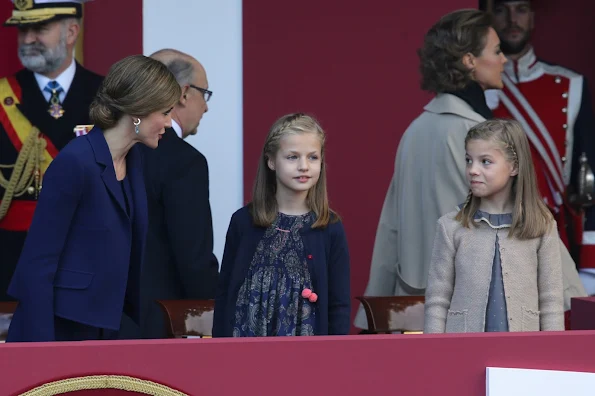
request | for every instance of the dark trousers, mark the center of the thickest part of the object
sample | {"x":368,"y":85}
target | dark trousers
{"x":68,"y":330}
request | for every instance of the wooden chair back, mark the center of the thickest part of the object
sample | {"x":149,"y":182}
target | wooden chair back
{"x":6,"y":310}
{"x":394,"y":314}
{"x":185,"y":318}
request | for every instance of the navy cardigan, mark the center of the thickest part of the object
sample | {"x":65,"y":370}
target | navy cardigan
{"x":328,"y":262}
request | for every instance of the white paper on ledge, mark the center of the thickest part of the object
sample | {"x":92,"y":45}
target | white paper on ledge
{"x":502,"y":381}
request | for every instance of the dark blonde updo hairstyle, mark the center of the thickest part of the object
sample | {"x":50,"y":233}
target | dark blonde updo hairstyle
{"x":446,"y":43}
{"x":136,"y":85}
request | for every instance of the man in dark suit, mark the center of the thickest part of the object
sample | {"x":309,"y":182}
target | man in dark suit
{"x":179,"y":261}
{"x":40,"y":106}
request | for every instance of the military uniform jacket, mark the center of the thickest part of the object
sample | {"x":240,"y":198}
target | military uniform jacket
{"x":57,"y":132}
{"x":553,"y":105}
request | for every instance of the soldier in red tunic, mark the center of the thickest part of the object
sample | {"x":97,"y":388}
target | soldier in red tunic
{"x":554,"y":106}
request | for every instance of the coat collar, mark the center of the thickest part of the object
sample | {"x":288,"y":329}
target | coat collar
{"x":108,"y":175}
{"x":170,"y":133}
{"x":521,"y":69}
{"x":445,"y":103}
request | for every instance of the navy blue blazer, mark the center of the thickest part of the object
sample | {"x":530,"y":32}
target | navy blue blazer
{"x":82,"y":257}
{"x":328,"y":262}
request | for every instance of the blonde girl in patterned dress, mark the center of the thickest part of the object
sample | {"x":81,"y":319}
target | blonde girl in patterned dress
{"x":496,"y":259}
{"x":285,"y":268}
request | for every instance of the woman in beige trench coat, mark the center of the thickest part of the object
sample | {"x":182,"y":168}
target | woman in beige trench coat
{"x":429,"y":176}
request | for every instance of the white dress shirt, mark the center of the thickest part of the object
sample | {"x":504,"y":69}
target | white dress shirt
{"x":64,"y":79}
{"x":176,"y":127}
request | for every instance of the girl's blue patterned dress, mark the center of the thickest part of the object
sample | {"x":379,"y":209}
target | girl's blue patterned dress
{"x":270,"y":301}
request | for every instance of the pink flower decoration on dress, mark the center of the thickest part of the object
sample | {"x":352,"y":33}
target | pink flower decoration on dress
{"x":306,"y":293}
{"x":313,"y":297}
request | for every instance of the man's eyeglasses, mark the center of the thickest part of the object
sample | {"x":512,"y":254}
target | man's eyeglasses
{"x":205,"y":92}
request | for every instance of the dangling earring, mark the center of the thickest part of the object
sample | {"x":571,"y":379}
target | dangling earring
{"x":136,"y":124}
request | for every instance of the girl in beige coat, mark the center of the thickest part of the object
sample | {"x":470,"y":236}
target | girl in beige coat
{"x":496,"y":260}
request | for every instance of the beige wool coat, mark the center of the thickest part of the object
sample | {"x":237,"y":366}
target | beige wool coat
{"x":460,"y":274}
{"x":428,"y":182}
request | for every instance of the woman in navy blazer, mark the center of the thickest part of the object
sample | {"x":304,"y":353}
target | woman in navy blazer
{"x":80,"y":266}
{"x":285,"y":268}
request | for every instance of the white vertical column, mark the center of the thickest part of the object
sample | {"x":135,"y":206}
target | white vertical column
{"x":210,"y":31}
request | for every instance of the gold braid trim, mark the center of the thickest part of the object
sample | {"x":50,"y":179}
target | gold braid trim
{"x":26,"y":170}
{"x":121,"y":382}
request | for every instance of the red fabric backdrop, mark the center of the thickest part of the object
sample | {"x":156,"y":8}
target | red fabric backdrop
{"x":355,"y":67}
{"x":113,"y":30}
{"x":563,"y":35}
{"x":8,"y":43}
